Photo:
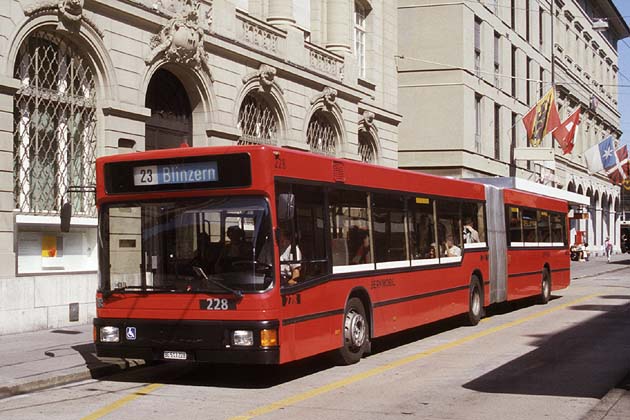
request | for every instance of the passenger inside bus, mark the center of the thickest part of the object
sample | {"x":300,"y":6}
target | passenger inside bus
{"x":451,"y":250}
{"x":470,"y":233}
{"x":290,"y":258}
{"x":236,"y":249}
{"x":431,"y":253}
{"x":362,"y":253}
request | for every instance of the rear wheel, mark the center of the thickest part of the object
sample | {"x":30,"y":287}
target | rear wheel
{"x":545,"y":287}
{"x":356,"y":333}
{"x":475,"y":302}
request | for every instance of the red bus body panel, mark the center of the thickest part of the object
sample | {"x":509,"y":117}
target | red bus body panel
{"x":525,"y":265}
{"x":311,"y":318}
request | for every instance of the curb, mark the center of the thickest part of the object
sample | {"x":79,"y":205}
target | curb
{"x":612,"y":270}
{"x":63,"y":379}
{"x":606,"y":406}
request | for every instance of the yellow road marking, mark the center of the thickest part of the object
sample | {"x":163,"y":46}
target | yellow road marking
{"x":116,"y":405}
{"x":406,"y":360}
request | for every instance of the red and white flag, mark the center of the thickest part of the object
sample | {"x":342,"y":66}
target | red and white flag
{"x":565,"y":133}
{"x":619,"y":172}
{"x":543,"y":118}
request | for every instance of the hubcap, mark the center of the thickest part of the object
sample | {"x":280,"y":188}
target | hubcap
{"x":355,"y":329}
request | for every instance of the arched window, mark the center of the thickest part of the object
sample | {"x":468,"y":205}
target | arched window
{"x":321,"y":135}
{"x":171,"y":123}
{"x":258,"y":121}
{"x":55,"y":121}
{"x":367,"y":149}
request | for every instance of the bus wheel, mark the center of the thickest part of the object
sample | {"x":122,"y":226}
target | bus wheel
{"x":545,"y":287}
{"x":356,"y":336}
{"x":475,"y":302}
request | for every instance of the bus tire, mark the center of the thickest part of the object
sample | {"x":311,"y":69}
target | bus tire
{"x":545,"y":287}
{"x":475,"y":302}
{"x":356,"y":333}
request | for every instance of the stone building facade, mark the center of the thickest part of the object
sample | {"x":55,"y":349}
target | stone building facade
{"x":86,"y":78}
{"x":469,"y":71}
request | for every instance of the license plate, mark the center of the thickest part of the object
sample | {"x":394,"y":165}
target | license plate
{"x":175,"y":355}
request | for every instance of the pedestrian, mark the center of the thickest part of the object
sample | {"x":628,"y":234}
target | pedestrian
{"x":608,"y":248}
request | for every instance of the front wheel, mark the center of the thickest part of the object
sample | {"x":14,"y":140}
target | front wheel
{"x":356,"y":333}
{"x":475,"y":302}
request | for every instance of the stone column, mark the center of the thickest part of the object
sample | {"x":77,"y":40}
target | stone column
{"x":339,"y":19}
{"x":614,"y":226}
{"x":281,"y":12}
{"x":8,"y":87}
{"x":598,"y":226}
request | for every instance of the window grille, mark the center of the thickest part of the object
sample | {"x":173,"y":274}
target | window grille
{"x":257,"y":121}
{"x":367,"y":151}
{"x":321,"y":135}
{"x":55,"y":122}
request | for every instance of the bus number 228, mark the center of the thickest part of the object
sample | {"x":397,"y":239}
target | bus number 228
{"x":216,"y":304}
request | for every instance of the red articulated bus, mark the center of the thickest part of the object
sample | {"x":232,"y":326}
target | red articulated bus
{"x":258,"y":254}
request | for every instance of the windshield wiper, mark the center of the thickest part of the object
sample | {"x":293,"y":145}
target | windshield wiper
{"x":108,"y":293}
{"x":199,"y":271}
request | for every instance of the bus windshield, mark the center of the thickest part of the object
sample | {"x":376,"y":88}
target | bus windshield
{"x":213,"y":245}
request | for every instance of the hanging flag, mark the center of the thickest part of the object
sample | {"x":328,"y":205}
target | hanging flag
{"x":565,"y":133}
{"x":619,"y":172}
{"x":543,"y":118}
{"x":602,"y":156}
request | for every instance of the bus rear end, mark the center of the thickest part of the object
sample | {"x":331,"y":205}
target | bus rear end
{"x":186,"y":257}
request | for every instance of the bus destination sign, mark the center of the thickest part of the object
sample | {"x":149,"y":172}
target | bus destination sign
{"x":181,"y":173}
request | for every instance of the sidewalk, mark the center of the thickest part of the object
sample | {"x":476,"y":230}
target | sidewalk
{"x":42,"y":359}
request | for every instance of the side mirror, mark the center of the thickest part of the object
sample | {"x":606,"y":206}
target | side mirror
{"x":66,"y":215}
{"x":286,"y":207}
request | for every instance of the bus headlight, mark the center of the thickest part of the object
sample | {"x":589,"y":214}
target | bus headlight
{"x":243,"y":338}
{"x":110,"y":335}
{"x":268,"y":338}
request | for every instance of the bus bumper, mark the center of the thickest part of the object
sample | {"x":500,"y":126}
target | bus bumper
{"x":196,"y":341}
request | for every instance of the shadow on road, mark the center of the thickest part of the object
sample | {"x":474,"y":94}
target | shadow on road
{"x":582,"y":361}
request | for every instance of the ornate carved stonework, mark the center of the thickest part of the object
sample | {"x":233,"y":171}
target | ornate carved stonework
{"x":181,"y":39}
{"x":367,"y":121}
{"x":266,"y":76}
{"x":69,"y":12}
{"x":328,"y":95}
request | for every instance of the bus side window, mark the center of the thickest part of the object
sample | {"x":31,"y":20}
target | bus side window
{"x":473,"y":223}
{"x":557,"y":228}
{"x":307,"y":227}
{"x":349,"y":221}
{"x":421,"y":224}
{"x":390,"y":240}
{"x":516,"y":234}
{"x":544,"y":228}
{"x":529,"y":226}
{"x":449,"y":228}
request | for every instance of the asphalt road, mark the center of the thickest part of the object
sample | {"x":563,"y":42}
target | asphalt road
{"x":524,"y":361}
